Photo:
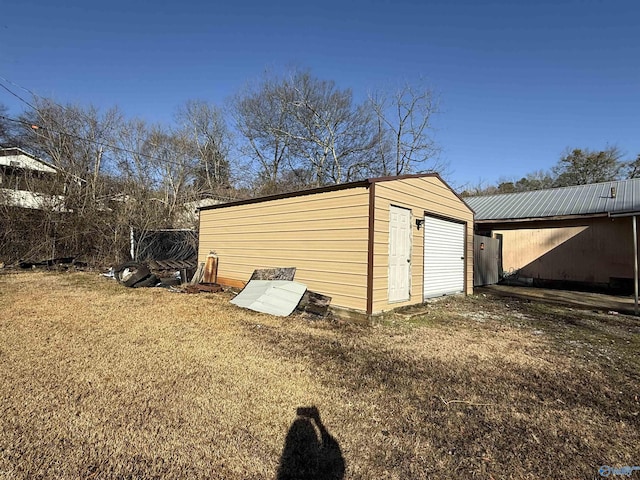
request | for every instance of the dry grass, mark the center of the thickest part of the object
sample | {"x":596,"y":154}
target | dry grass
{"x":99,"y":381}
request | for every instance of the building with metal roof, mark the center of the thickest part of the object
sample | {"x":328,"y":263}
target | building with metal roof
{"x":579,"y":237}
{"x":372,"y":245}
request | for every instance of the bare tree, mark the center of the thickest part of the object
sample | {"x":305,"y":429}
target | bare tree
{"x":334,"y":136}
{"x":138,"y":182}
{"x":306,"y":130}
{"x":262,"y":115}
{"x":204,"y":131}
{"x":5,"y":127}
{"x":632,"y":168}
{"x":404,"y":123}
{"x":114,"y":175}
{"x":135,"y":199}
{"x":174,"y":167}
{"x":133,"y":158}
{"x":74,"y":139}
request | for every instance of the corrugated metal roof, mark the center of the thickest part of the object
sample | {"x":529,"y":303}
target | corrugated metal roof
{"x":276,"y":297}
{"x":592,"y":199}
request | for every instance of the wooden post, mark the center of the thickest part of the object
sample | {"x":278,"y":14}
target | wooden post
{"x":211,"y":269}
{"x":635,"y":265}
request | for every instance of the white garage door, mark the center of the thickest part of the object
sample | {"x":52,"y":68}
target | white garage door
{"x":443,"y":257}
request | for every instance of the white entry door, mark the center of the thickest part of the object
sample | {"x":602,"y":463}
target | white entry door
{"x":444,"y":243}
{"x":399,"y":254}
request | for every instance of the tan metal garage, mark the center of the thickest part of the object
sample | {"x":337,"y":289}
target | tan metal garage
{"x":362,"y":243}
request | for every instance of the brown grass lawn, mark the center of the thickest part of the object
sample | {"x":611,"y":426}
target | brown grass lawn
{"x":100,"y":381}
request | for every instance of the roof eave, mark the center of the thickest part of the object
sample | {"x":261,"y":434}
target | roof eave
{"x":539,"y":219}
{"x":329,"y":188}
{"x":297,"y":193}
{"x":626,"y":213}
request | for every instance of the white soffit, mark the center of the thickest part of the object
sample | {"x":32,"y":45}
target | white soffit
{"x":275,"y":297}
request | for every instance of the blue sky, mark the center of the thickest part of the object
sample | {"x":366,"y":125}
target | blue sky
{"x":519,"y":81}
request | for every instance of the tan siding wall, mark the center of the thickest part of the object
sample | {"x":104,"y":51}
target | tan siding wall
{"x":418,"y":194}
{"x":323,"y":235}
{"x":587,"y":250}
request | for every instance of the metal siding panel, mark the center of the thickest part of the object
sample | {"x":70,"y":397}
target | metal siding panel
{"x":275,"y":297}
{"x":339,"y":232}
{"x":444,"y":253}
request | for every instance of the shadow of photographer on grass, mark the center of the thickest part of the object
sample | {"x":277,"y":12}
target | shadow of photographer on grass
{"x":310,"y":452}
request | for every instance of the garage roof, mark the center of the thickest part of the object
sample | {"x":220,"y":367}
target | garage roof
{"x":329,"y":188}
{"x":614,"y":198}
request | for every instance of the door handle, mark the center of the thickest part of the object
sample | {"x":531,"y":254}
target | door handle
{"x":408,"y":260}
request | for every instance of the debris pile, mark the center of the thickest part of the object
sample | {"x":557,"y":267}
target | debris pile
{"x":269,"y":290}
{"x":135,"y":275}
{"x":61,"y":263}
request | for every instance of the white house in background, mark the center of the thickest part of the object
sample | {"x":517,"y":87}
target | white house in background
{"x":188,"y":216}
{"x":26,"y":181}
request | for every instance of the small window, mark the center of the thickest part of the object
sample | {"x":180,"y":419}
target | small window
{"x":14,"y":163}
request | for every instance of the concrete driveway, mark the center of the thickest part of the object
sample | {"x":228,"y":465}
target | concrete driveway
{"x":587,"y":300}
